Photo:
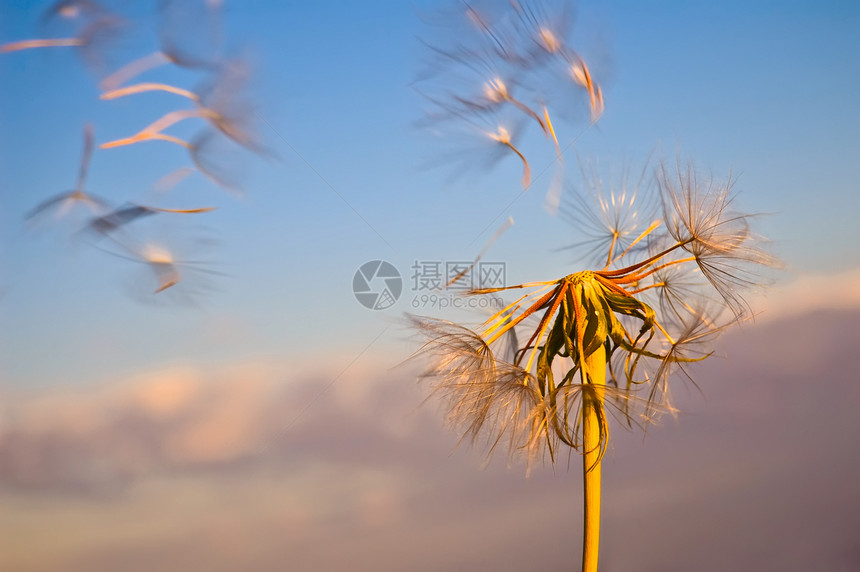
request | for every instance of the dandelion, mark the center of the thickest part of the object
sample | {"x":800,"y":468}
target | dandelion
{"x":503,"y":62}
{"x":228,"y":115}
{"x":176,"y":47}
{"x":169,"y":271}
{"x":149,"y":86}
{"x":189,"y":37}
{"x":610,"y":213}
{"x":503,"y":137}
{"x":229,"y":110}
{"x":164,"y":271}
{"x":154,"y":130}
{"x":64,"y":203}
{"x":221,"y":103}
{"x":163,"y":266}
{"x":211,"y":152}
{"x":594,"y":346}
{"x":485,"y":141}
{"x":582,"y":76}
{"x":116,"y":219}
{"x":171,"y":179}
{"x":95,"y":28}
{"x":72,"y":9}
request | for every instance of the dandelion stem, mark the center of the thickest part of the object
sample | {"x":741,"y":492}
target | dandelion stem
{"x":143,"y":87}
{"x":665,"y":333}
{"x":611,"y":249}
{"x":592,"y":449}
{"x":646,"y":232}
{"x":176,"y":116}
{"x":551,"y":131}
{"x":527,"y":172}
{"x":621,"y":272}
{"x":637,"y":277}
{"x":28,"y":44}
{"x":153,"y":131}
{"x":517,"y":286}
{"x":133,"y":69}
{"x":143,"y":136}
{"x":649,"y":287}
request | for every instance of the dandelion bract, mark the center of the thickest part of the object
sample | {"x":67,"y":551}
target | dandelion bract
{"x":602,"y":343}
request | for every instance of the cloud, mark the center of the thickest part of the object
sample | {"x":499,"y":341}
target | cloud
{"x":219,"y":469}
{"x":801,"y":293}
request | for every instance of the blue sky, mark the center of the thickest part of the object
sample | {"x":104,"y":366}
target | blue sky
{"x":256,"y":411}
{"x":766,"y":92}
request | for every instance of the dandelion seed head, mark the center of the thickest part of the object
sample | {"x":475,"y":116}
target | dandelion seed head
{"x":700,"y":215}
{"x":549,"y":41}
{"x":672,"y":257}
{"x":502,"y":136}
{"x":69,"y":11}
{"x":496,"y":91}
{"x":155,"y":254}
{"x":579,"y":73}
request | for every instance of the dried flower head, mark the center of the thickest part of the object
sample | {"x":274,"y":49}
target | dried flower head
{"x":601,"y":321}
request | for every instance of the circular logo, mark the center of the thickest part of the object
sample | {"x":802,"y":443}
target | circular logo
{"x":377,"y":285}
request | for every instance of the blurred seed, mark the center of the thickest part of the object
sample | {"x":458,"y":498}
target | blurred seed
{"x":503,"y":137}
{"x":65,"y":202}
{"x":122,"y":216}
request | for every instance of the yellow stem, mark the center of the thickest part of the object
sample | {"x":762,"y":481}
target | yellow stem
{"x":644,"y":288}
{"x":645,"y":233}
{"x":551,"y":131}
{"x":593,"y":445}
{"x":511,"y":323}
{"x":611,"y":249}
{"x":544,"y":324}
{"x":665,"y":333}
{"x":638,"y":277}
{"x":623,"y":272}
{"x":505,"y":311}
{"x":518,"y":286}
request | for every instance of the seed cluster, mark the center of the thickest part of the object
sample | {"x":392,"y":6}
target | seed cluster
{"x":674,"y":261}
{"x":189,"y":38}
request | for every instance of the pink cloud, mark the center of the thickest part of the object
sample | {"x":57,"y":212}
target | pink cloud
{"x":196,"y":468}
